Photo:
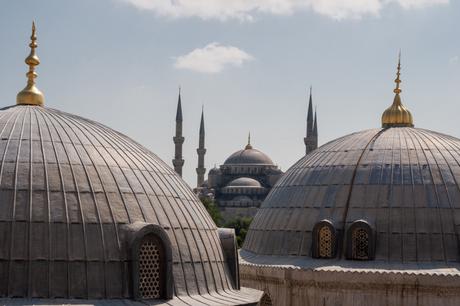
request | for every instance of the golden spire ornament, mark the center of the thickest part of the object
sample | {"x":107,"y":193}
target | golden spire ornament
{"x":248,"y":146}
{"x":397,"y":115}
{"x":31,"y":95}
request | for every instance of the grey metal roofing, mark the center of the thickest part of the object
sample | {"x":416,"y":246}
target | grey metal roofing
{"x":340,"y":265}
{"x":403,"y":181}
{"x":244,"y":182}
{"x":245,"y":296}
{"x":67,"y":185}
{"x":248,"y":157}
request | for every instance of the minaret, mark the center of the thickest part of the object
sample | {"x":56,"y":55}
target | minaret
{"x":178,"y":162}
{"x":201,"y":170}
{"x":311,"y":141}
{"x":315,"y":131}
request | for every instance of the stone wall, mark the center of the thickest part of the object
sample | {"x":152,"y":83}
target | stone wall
{"x":298,"y":287}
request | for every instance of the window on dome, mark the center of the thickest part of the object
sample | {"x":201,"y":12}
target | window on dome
{"x":324,"y":242}
{"x":361,"y":241}
{"x":360,"y":244}
{"x":151,"y":268}
{"x":266,"y":300}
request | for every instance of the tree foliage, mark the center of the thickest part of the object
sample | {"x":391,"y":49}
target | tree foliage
{"x":213,"y":210}
{"x":241,"y":226}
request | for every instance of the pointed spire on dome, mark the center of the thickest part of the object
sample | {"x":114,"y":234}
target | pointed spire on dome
{"x":397,"y":115}
{"x":248,"y":146}
{"x":31,"y":95}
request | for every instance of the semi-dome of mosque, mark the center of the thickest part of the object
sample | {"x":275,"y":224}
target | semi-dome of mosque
{"x":244,"y":182}
{"x":389,"y":194}
{"x":249,"y":156}
{"x":88,"y":213}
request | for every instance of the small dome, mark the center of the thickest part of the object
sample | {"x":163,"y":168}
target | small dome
{"x":244,"y":182}
{"x":404,"y":182}
{"x":70,"y":187}
{"x":248,"y":156}
{"x":214,"y":171}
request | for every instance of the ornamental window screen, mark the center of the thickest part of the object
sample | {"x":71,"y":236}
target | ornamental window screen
{"x":360,"y":244}
{"x":151,"y":268}
{"x":266,"y":300}
{"x":325,"y":242}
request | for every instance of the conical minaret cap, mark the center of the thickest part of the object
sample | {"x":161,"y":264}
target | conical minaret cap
{"x":31,"y":95}
{"x":397,"y":115}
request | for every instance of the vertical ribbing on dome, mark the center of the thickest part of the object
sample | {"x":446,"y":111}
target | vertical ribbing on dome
{"x":397,"y":115}
{"x":31,"y":95}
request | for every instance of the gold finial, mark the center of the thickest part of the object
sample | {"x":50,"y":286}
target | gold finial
{"x":397,"y":115}
{"x":248,"y":146}
{"x":397,"y":90}
{"x":31,"y":95}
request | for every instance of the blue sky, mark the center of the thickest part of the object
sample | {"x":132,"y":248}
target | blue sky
{"x":250,"y":62}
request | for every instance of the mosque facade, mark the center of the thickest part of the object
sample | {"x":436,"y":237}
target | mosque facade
{"x":371,"y":218}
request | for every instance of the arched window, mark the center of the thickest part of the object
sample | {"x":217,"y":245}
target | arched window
{"x":324,"y":240}
{"x":360,"y":241}
{"x":151,"y":268}
{"x":150,"y":258}
{"x":360,"y":244}
{"x":266,"y":300}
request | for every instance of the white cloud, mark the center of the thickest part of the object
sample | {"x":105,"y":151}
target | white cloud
{"x":213,"y":58}
{"x":246,"y":9}
{"x":454,"y":60}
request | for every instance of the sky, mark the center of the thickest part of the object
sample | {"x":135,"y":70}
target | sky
{"x":248,"y":62}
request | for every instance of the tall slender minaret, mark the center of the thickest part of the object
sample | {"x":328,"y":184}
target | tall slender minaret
{"x":315,"y":130}
{"x":311,"y":140}
{"x":201,"y":170}
{"x":178,"y":161}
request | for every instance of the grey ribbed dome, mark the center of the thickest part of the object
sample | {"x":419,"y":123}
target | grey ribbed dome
{"x":403,"y":181}
{"x":67,"y":187}
{"x":248,"y":156}
{"x":244,"y":182}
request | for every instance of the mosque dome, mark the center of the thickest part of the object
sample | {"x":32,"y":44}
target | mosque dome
{"x":248,"y":156}
{"x":88,"y":213}
{"x":389,"y":194}
{"x":244,"y":182}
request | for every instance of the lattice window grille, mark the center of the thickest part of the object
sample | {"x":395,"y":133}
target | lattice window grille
{"x":266,"y":300}
{"x":360,"y":244}
{"x":150,"y":270}
{"x":325,"y":242}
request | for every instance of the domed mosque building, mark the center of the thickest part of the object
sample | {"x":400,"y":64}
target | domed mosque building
{"x":371,"y":218}
{"x":90,"y":217}
{"x":242,"y":182}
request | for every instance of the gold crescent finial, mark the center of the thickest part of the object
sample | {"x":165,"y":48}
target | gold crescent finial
{"x":31,"y":95}
{"x":248,"y":146}
{"x":398,"y":81}
{"x":397,"y":115}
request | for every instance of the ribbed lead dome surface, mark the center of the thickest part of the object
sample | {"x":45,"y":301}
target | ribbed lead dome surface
{"x":248,"y":156}
{"x":403,"y":181}
{"x":67,"y":186}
